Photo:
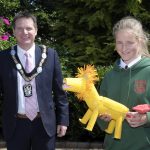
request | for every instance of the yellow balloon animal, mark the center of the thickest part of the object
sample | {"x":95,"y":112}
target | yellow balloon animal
{"x":83,"y":86}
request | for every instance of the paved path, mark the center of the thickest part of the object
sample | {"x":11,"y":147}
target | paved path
{"x":63,"y":149}
{"x":69,"y":145}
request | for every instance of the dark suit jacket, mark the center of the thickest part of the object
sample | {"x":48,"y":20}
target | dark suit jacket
{"x":52,"y":100}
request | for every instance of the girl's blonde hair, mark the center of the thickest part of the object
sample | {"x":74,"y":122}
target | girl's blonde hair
{"x":136,"y":27}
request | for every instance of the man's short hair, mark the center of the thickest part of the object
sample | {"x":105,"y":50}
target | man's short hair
{"x":24,"y":14}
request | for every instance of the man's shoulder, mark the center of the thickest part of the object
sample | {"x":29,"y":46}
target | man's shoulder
{"x":49,"y":49}
{"x":4,"y":55}
{"x":6,"y":51}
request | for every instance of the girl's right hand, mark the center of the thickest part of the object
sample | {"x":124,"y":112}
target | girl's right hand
{"x":105,"y":117}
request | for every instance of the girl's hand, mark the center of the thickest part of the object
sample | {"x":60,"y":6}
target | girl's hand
{"x":105,"y":117}
{"x":136,"y":119}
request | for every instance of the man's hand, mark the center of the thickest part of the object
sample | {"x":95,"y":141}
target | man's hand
{"x":61,"y":130}
{"x":136,"y":119}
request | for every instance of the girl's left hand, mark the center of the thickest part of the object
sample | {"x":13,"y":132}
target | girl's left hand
{"x":136,"y":119}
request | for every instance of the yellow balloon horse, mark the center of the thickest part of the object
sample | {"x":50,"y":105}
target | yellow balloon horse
{"x":83,"y":86}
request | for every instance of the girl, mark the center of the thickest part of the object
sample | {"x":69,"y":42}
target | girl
{"x":129,"y":83}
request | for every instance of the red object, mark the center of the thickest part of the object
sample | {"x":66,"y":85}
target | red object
{"x":129,"y":116}
{"x":142,"y":108}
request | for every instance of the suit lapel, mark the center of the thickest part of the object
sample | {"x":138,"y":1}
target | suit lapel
{"x":37,"y":55}
{"x":13,"y":80}
{"x":14,"y":70}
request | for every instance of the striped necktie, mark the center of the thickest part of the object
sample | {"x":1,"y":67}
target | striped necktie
{"x":30,"y":102}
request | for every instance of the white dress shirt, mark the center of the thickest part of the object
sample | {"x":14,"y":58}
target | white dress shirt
{"x":21,"y":81}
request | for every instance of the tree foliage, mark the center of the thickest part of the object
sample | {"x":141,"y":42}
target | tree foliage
{"x":84,"y":27}
{"x":81,"y":30}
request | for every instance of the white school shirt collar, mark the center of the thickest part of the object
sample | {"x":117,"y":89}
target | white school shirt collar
{"x":123,"y":65}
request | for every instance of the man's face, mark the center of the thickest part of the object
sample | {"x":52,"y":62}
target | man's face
{"x":127,"y":45}
{"x":25,"y":32}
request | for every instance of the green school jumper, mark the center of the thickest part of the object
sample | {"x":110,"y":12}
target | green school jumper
{"x":130,"y":87}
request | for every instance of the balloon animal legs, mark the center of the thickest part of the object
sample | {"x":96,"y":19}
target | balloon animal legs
{"x":92,"y":120}
{"x":86,"y":117}
{"x":111,"y":126}
{"x":118,"y":128}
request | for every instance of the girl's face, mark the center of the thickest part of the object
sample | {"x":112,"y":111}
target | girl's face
{"x":127,"y":45}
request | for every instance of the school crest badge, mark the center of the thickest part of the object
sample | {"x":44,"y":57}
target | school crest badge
{"x":140,"y":86}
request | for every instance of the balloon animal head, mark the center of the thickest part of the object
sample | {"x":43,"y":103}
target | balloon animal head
{"x":83,"y":82}
{"x":83,"y":86}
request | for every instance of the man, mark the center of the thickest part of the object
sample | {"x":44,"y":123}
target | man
{"x":34,"y":104}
